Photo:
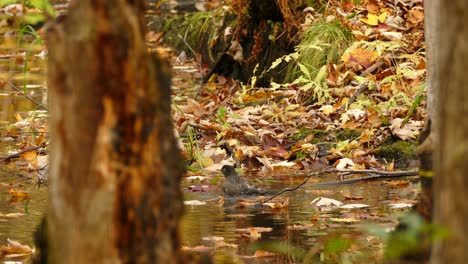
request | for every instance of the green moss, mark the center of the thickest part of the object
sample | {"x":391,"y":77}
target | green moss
{"x":347,"y":134}
{"x":303,"y":132}
{"x":398,"y":150}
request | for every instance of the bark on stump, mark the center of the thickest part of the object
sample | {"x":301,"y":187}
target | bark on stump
{"x":115,"y":167}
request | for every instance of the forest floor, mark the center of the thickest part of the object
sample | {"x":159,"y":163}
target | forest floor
{"x":363,"y":111}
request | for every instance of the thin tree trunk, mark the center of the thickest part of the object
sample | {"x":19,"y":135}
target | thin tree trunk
{"x":451,"y":166}
{"x":115,"y":167}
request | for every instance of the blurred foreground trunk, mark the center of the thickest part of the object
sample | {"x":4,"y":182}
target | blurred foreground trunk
{"x":451,"y":166}
{"x":115,"y":167}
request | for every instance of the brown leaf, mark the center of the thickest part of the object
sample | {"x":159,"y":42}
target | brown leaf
{"x":15,"y":247}
{"x":332,"y":75}
{"x":415,"y":16}
{"x":372,"y":6}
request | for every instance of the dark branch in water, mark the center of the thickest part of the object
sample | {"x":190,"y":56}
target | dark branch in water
{"x":373,"y":175}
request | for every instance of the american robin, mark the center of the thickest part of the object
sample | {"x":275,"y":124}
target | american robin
{"x":234,"y":185}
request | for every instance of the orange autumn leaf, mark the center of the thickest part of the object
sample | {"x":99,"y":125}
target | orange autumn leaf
{"x":18,"y":194}
{"x":361,"y":56}
{"x":31,"y":158}
{"x":16,"y":248}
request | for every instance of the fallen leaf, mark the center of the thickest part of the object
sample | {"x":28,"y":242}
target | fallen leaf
{"x":213,"y":238}
{"x":344,"y":220}
{"x":18,"y":194}
{"x":325,"y":202}
{"x":354,"y":206}
{"x":398,"y":184}
{"x":16,"y":248}
{"x":243,"y":204}
{"x":361,"y":56}
{"x":415,"y":16}
{"x":254,"y":234}
{"x":31,"y":158}
{"x":194,"y":202}
{"x":198,"y":248}
{"x":393,"y":36}
{"x":12,"y":215}
{"x":257,"y":228}
{"x":350,"y":197}
{"x":344,"y":163}
{"x":278,"y":205}
{"x":400,"y":205}
{"x":408,"y":131}
{"x":373,"y":19}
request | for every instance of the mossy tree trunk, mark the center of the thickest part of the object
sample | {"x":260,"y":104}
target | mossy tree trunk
{"x":451,"y":166}
{"x":115,"y":167}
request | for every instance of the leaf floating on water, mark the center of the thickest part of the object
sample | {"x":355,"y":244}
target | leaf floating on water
{"x":213,"y":238}
{"x":254,"y":234}
{"x":198,"y":248}
{"x":244,"y":203}
{"x":350,"y":197}
{"x":344,"y":220}
{"x":194,"y":202}
{"x":12,"y":215}
{"x":400,"y":205}
{"x":354,"y":206}
{"x":278,"y":205}
{"x":15,"y":248}
{"x":258,"y":229}
{"x":398,"y":184}
{"x":325,"y":202}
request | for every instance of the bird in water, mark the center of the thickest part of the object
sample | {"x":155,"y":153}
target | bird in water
{"x":234,"y":185}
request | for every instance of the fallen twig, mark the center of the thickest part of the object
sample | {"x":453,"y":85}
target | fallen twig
{"x":26,"y":96}
{"x":373,"y":175}
{"x":18,"y":154}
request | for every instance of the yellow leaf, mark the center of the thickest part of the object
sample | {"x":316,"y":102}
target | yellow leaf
{"x":373,"y":19}
{"x":382,"y":17}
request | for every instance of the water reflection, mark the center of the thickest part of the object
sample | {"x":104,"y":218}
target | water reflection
{"x":20,"y":228}
{"x":298,"y":227}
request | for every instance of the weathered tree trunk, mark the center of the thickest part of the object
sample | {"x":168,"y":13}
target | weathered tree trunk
{"x":115,"y":166}
{"x":265,"y":31}
{"x":451,"y":166}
